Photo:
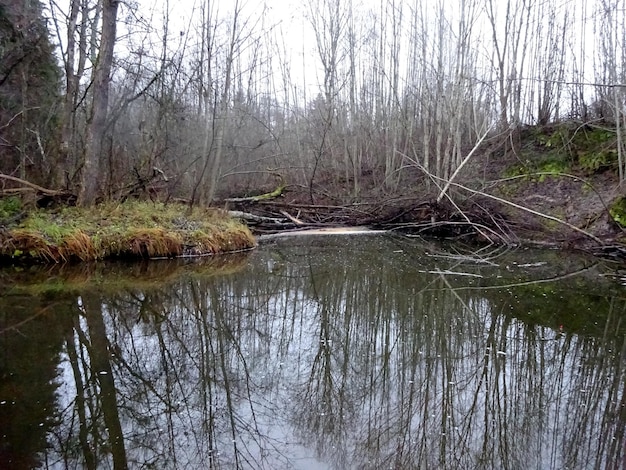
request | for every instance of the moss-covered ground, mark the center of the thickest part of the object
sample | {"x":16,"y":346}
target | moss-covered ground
{"x":129,"y":230}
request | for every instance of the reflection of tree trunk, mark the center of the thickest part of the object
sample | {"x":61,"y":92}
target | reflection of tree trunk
{"x":229,"y":398}
{"x":205,"y":374}
{"x":101,"y":367}
{"x":90,"y":461}
{"x":170,"y":378}
{"x":621,"y":426}
{"x":501,"y":395}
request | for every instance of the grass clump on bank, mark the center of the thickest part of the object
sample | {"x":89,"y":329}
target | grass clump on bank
{"x":129,"y":230}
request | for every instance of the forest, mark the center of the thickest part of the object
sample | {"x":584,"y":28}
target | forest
{"x":327,"y":103}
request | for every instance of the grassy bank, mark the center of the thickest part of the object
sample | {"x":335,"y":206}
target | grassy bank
{"x":128,"y":230}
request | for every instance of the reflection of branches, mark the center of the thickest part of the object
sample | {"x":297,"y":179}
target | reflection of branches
{"x":16,"y":326}
{"x":320,"y":413}
{"x":365,"y":362}
{"x":552,"y":279}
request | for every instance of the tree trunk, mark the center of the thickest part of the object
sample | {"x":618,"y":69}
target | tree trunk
{"x":96,"y":124}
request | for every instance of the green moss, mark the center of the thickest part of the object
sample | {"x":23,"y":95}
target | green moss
{"x":618,"y":211}
{"x":552,"y":167}
{"x":554,"y":138}
{"x":592,"y":161}
{"x":560,"y":148}
{"x":539,"y":170}
{"x":517,"y":170}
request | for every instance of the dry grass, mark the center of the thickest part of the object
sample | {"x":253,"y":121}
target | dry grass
{"x":152,"y":242}
{"x":129,"y":230}
{"x":78,"y":245}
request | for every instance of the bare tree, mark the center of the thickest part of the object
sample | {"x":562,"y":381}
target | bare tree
{"x":329,"y":20}
{"x":382,"y":81}
{"x":239,"y":32}
{"x":96,"y":124}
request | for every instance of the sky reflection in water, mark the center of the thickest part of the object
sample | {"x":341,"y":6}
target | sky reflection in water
{"x":319,"y":353}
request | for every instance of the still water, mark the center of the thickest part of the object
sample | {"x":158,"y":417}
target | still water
{"x":360,"y":352}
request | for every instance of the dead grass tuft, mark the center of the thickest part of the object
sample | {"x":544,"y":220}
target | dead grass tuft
{"x":154,"y":242}
{"x":78,"y":245}
{"x":22,"y":242}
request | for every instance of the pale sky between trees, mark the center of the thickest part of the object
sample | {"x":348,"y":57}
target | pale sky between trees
{"x":288,"y":24}
{"x":351,"y":84}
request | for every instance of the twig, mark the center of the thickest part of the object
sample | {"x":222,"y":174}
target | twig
{"x":436,"y":180}
{"x":295,"y":220}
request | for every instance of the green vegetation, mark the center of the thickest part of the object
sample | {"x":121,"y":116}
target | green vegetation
{"x":567,"y":147}
{"x":618,"y":211}
{"x":9,"y":207}
{"x":129,"y":230}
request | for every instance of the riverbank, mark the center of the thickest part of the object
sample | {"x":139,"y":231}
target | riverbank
{"x":554,"y":186}
{"x":130,"y":230}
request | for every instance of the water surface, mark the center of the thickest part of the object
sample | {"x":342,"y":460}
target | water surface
{"x":331,"y":352}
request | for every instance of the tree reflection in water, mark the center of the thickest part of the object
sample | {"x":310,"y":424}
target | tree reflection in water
{"x":348,"y":356}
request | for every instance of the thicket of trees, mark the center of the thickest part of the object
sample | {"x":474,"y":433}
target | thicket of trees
{"x":222,"y":102}
{"x":29,"y":91}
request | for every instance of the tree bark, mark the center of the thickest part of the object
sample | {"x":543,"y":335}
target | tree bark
{"x":96,"y":124}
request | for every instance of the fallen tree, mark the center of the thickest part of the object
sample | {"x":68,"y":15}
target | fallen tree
{"x":27,"y":185}
{"x":33,"y":194}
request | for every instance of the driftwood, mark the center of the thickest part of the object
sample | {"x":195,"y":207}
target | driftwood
{"x":33,"y":194}
{"x":531,"y":211}
{"x":295,"y":220}
{"x":278,"y":219}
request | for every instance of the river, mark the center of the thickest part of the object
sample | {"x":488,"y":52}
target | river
{"x":317,"y":352}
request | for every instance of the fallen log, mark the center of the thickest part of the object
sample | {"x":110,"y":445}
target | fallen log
{"x":258,"y":219}
{"x":36,"y":187}
{"x":262,"y":197}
